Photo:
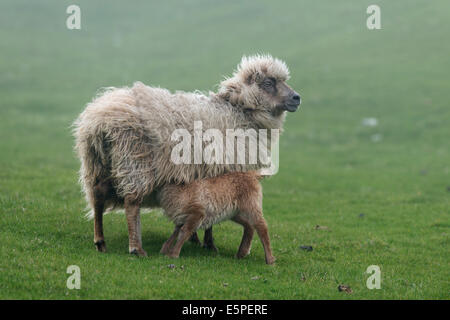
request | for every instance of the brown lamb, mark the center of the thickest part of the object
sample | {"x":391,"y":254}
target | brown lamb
{"x":202,"y":203}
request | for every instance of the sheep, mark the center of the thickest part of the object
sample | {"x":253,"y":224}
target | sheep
{"x":202,"y":203}
{"x":123,"y":137}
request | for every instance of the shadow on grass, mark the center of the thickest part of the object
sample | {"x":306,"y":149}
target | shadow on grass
{"x":76,"y":237}
{"x":152,"y":243}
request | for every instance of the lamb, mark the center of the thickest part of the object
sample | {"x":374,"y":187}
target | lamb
{"x":123,"y":137}
{"x":202,"y":203}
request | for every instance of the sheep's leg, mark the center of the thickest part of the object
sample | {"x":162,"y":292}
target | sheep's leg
{"x":166,"y":246}
{"x":208,"y":240}
{"x":194,"y":239}
{"x":100,"y":194}
{"x":195,"y":215}
{"x":263,"y":233}
{"x":134,"y":226}
{"x":247,"y":237}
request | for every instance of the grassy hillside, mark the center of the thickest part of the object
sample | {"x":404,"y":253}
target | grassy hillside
{"x":383,"y":192}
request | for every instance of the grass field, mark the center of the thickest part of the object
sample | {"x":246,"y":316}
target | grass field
{"x":383,"y":192}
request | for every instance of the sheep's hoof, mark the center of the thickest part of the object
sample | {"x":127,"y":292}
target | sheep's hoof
{"x":100,"y":245}
{"x":138,"y":252}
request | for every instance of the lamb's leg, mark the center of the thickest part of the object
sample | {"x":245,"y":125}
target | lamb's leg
{"x":194,"y":239}
{"x":263,"y":233}
{"x":247,"y":237}
{"x":208,"y":240}
{"x":195,"y":215}
{"x":166,"y":246}
{"x":134,"y":226}
{"x":100,"y":195}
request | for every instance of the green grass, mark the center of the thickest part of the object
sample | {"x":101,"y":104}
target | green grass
{"x":331,"y":171}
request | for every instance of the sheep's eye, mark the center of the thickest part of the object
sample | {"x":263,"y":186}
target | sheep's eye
{"x":268,"y":83}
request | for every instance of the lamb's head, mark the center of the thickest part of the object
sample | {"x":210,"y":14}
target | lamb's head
{"x":259,"y":84}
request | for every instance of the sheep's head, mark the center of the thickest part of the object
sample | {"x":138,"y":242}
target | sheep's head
{"x":259,"y":84}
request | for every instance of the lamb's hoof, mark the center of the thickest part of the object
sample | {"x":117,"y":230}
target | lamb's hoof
{"x":210,"y":246}
{"x":100,"y":245}
{"x":173,"y":255}
{"x":138,"y":252}
{"x":241,"y":255}
{"x":270,"y":260}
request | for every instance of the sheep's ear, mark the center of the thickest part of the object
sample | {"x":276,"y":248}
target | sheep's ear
{"x":238,"y":96}
{"x":236,"y":93}
{"x":231,"y":91}
{"x":246,"y":99}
